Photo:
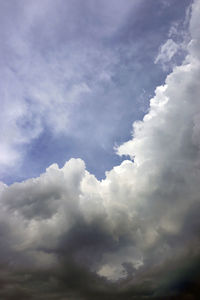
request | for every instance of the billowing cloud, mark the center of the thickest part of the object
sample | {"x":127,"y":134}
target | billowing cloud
{"x":133,"y":235}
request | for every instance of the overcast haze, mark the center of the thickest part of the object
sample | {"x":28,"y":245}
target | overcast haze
{"x":99,"y":149}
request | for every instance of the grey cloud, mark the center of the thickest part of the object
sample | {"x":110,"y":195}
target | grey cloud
{"x":67,"y":235}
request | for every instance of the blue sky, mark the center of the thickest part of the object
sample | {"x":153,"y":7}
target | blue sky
{"x":75,"y":78}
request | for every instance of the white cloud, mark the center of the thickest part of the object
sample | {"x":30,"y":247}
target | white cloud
{"x":167,"y":52}
{"x":176,"y":44}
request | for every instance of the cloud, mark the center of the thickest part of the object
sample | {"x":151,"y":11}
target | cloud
{"x":174,"y":49}
{"x":167,"y":51}
{"x":134,"y":234}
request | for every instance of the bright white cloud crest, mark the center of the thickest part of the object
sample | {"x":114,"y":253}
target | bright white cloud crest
{"x":123,"y":219}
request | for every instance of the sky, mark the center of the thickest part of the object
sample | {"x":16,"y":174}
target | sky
{"x":74,"y":77}
{"x":99,"y":149}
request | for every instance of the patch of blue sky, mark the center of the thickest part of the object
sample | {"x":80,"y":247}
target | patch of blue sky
{"x":88,"y":73}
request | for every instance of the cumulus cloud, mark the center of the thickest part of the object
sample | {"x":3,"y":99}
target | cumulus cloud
{"x":134,"y":234}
